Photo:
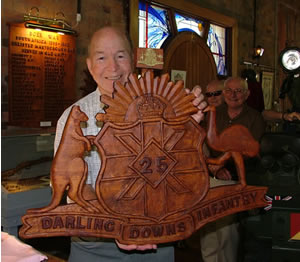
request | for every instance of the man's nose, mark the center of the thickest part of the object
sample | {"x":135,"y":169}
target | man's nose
{"x":234,"y":93}
{"x":112,"y":64}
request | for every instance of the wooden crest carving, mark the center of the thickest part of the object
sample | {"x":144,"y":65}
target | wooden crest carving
{"x":153,"y":185}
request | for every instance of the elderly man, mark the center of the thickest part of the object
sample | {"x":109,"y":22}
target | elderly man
{"x":236,"y":111}
{"x":220,"y":239}
{"x":110,"y":59}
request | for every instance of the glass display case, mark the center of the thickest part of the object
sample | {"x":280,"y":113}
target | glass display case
{"x":25,"y":176}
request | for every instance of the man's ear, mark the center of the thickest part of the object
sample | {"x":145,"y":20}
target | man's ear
{"x":247,"y":94}
{"x":89,"y":64}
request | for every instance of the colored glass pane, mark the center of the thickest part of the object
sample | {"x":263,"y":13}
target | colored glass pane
{"x":153,"y":25}
{"x":216,"y":41}
{"x":185,"y":23}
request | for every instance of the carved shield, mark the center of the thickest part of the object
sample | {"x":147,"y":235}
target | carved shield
{"x":151,"y":151}
{"x":151,"y":169}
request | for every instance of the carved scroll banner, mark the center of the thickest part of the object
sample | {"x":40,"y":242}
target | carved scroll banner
{"x":153,"y":185}
{"x":41,"y":76}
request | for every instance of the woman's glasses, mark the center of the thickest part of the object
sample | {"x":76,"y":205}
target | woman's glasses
{"x":216,"y":93}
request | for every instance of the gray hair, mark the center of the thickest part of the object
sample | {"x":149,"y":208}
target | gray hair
{"x":243,"y":82}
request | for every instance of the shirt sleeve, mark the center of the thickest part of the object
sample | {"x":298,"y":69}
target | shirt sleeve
{"x":258,"y":127}
{"x":60,"y":128}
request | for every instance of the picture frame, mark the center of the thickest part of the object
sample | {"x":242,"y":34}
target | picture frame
{"x":178,"y":75}
{"x":267,"y":81}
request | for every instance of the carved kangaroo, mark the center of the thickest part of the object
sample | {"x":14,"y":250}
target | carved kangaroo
{"x":68,"y":169}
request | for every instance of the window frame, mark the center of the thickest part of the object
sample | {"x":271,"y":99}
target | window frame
{"x":193,"y":10}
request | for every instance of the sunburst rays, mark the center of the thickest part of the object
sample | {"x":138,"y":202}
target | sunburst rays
{"x":125,"y":98}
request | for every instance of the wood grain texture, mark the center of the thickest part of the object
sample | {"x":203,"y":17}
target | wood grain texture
{"x":153,"y":185}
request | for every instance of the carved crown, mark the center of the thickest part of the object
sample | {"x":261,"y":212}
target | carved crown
{"x":150,"y":107}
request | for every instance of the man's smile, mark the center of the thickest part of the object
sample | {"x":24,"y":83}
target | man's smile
{"x":113,"y":78}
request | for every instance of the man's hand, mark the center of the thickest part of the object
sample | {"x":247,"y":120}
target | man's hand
{"x":291,"y":116}
{"x":198,"y":102}
{"x":136,"y":247}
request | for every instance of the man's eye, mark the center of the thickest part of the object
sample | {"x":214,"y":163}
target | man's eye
{"x":101,"y":58}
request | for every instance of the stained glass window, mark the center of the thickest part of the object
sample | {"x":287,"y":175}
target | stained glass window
{"x":153,"y":25}
{"x":154,"y":29}
{"x":185,"y":23}
{"x":216,"y":41}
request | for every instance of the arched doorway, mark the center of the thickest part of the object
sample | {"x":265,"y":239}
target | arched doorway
{"x":188,"y":52}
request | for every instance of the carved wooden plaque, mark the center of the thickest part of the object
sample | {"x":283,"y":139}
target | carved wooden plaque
{"x":41,"y":76}
{"x":151,"y":58}
{"x":153,"y":185}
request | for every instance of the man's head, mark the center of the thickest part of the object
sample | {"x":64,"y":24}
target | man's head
{"x":110,"y":58}
{"x":235,"y":92}
{"x":214,"y":94}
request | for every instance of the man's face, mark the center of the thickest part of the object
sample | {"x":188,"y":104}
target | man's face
{"x":234,"y":94}
{"x":110,"y":59}
{"x":214,"y":95}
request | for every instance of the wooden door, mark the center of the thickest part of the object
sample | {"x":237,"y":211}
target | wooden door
{"x":188,"y":52}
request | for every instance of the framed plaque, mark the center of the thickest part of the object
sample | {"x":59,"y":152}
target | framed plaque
{"x":41,"y":76}
{"x":267,"y":87}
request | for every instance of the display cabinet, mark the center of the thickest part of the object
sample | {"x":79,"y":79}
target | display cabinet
{"x":25,"y":176}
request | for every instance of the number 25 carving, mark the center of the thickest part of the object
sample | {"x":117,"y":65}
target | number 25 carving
{"x":146,"y":163}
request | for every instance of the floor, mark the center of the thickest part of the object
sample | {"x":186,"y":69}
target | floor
{"x":252,"y":250}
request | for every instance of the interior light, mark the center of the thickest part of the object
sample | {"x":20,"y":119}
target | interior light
{"x":289,"y":59}
{"x":49,"y":28}
{"x":258,"y":51}
{"x":53,"y":25}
